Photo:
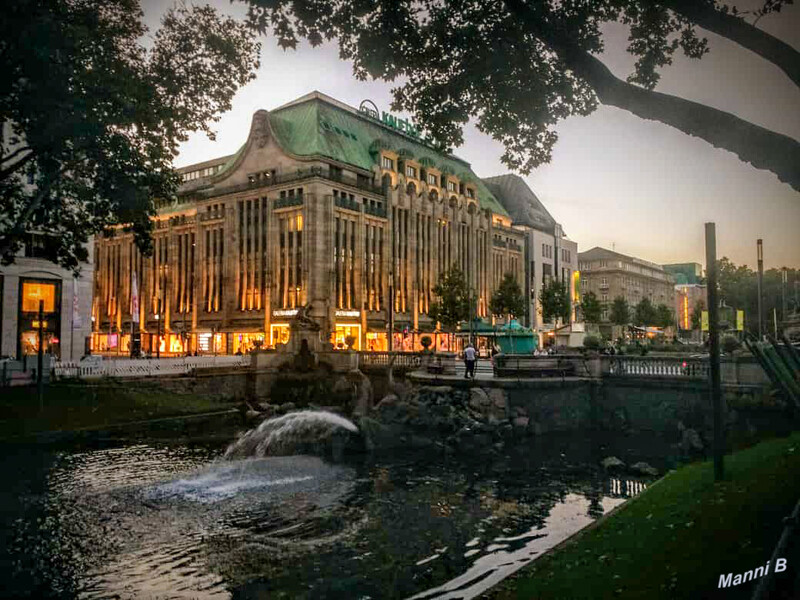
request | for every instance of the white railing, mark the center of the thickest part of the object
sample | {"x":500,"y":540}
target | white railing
{"x":147,"y":367}
{"x":383,"y":358}
{"x":691,"y":368}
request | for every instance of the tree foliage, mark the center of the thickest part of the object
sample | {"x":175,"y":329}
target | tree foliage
{"x":665,"y":316}
{"x":591,"y":308}
{"x":508,"y":299}
{"x":645,"y":313}
{"x":555,"y":301}
{"x":517,"y":68}
{"x":453,"y":300}
{"x":93,"y":118}
{"x":697,"y":314}
{"x":620,"y":311}
{"x":738,"y":289}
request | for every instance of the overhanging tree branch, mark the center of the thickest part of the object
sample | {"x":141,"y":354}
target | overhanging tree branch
{"x":762,"y":148}
{"x":11,"y":169}
{"x":736,"y":29}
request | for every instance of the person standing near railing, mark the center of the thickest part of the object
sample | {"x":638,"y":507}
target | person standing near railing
{"x":469,"y":360}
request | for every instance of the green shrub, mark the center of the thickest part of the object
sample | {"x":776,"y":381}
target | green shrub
{"x":592,"y":342}
{"x":729,"y":344}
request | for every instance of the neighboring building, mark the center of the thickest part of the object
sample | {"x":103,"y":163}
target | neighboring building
{"x":67,"y":306}
{"x":686,"y":296}
{"x":610,"y":274}
{"x":548,"y":252}
{"x":324,"y":206}
{"x":691,"y":273}
{"x":66,"y":301}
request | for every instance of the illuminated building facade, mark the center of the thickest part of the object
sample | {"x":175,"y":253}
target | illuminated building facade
{"x":610,"y":275}
{"x":548,"y":252}
{"x":324,"y":206}
{"x":687,"y":295}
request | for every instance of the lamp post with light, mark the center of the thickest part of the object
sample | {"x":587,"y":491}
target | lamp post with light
{"x":760,"y":250}
{"x":158,"y":334}
{"x":784,"y":278}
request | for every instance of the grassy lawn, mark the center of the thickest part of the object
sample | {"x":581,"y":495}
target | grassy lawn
{"x":675,"y":539}
{"x":68,"y":407}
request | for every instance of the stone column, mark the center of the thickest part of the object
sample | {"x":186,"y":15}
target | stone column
{"x":228,"y":264}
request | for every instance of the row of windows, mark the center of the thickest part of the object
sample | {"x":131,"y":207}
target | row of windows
{"x":291,"y":193}
{"x":207,"y":172}
{"x":547,"y":251}
{"x":566,"y":255}
{"x":411,"y":171}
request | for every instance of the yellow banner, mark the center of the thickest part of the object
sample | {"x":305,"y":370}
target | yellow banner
{"x":739,"y":320}
{"x":704,"y":321}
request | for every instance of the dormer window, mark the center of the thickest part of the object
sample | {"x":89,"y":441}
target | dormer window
{"x":451,"y":186}
{"x":470,"y":193}
{"x":388,"y":163}
{"x":411,"y":172}
{"x":431,"y":179}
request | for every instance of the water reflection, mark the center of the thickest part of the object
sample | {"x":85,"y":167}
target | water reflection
{"x":150,"y":520}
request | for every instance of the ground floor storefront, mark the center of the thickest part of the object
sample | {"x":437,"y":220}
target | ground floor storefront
{"x":43,"y":310}
{"x":346,"y":335}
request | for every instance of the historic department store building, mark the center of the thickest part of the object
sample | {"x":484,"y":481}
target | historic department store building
{"x":324,"y":205}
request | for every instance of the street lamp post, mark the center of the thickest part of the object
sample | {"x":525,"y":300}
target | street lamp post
{"x":158,"y":334}
{"x":784,"y":278}
{"x":760,"y":249}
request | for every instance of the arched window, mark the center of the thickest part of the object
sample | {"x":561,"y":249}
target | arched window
{"x":433,"y":195}
{"x":411,"y":189}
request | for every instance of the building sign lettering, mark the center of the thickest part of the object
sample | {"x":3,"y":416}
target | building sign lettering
{"x":369,"y":109}
{"x":348,"y":313}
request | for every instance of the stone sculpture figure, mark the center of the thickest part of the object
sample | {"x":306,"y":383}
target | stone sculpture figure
{"x":302,"y":321}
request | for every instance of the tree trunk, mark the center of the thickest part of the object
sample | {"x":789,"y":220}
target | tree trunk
{"x":736,"y":29}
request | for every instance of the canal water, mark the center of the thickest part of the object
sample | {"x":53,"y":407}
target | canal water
{"x":155,"y":518}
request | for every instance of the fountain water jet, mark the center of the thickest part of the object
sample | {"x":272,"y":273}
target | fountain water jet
{"x":286,"y":434}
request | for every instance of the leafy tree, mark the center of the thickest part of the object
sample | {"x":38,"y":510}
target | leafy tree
{"x":555,"y":301}
{"x":697,"y":314}
{"x":620,"y":311}
{"x":519,"y":67}
{"x":453,"y":303}
{"x":93,"y":118}
{"x":591,"y":308}
{"x":665,"y":317}
{"x":645,"y":313}
{"x":508,"y":298}
{"x":738,"y":288}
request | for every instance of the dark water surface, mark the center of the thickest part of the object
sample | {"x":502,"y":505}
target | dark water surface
{"x":150,"y":518}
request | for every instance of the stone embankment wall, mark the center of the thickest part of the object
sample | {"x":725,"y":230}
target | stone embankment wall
{"x":675,"y":414}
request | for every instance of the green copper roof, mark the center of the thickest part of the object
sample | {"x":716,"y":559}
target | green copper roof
{"x":316,"y":128}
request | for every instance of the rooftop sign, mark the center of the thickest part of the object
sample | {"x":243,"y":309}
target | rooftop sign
{"x":369,"y":109}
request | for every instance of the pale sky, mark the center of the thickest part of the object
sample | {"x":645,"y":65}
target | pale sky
{"x":614,"y":178}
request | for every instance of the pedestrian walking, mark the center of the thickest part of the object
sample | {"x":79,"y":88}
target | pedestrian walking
{"x":469,"y":360}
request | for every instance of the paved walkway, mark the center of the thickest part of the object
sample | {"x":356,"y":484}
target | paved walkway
{"x":483,"y":370}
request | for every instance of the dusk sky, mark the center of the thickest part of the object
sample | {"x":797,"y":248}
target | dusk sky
{"x":614,"y":179}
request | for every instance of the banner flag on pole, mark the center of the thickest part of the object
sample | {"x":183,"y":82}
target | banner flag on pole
{"x":77,"y":322}
{"x":134,"y":299}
